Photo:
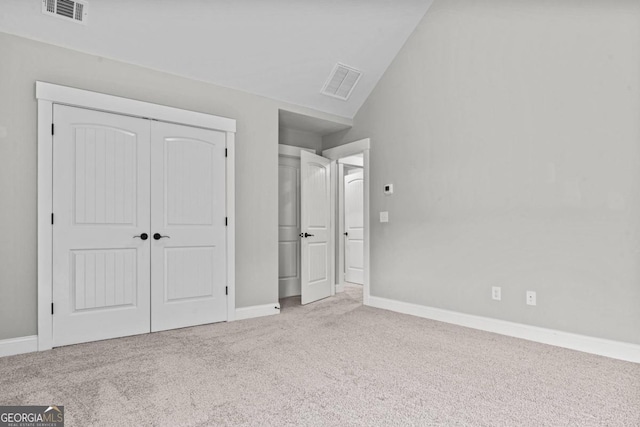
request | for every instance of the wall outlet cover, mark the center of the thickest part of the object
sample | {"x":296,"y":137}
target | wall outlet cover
{"x":384,"y":216}
{"x":496,"y":293}
{"x":531,"y":298}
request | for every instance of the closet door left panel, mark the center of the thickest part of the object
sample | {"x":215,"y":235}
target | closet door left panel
{"x":101,"y":203}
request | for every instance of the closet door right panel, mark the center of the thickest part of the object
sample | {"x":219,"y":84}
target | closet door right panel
{"x":188,"y":232}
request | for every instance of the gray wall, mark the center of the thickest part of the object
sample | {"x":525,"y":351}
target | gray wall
{"x":511,"y":131}
{"x":24,"y":61}
{"x":300,"y":138}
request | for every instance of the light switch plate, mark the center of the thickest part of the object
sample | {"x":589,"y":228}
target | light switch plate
{"x":496,"y":293}
{"x":384,"y":216}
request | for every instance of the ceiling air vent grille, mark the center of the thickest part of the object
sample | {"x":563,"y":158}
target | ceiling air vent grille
{"x":69,"y":10}
{"x":341,"y":82}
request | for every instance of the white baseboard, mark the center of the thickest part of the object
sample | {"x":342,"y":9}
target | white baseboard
{"x":19,"y":345}
{"x":614,"y":349}
{"x":257,"y":311}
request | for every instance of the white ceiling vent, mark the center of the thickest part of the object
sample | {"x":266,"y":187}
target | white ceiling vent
{"x":341,"y":82}
{"x":69,"y":10}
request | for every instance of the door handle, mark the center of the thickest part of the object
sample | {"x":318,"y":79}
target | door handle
{"x":159,"y":236}
{"x":143,"y":236}
{"x":306,"y":235}
{"x":346,"y":234}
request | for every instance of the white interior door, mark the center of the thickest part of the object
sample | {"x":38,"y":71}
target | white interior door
{"x":315,"y":205}
{"x":188,"y":235}
{"x":288,"y":227}
{"x":354,"y":227}
{"x":100,"y":202}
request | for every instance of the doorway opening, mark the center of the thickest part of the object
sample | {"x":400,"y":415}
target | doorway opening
{"x":352,"y":215}
{"x":313,"y":251}
{"x":350,"y":221}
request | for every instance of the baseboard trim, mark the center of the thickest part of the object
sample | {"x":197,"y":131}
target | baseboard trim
{"x":602,"y":347}
{"x":18,"y":345}
{"x":257,"y":311}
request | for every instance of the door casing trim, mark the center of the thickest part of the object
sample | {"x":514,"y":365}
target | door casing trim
{"x":350,"y":149}
{"x":48,"y":94}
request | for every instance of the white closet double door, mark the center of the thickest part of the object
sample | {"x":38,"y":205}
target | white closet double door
{"x":139,"y":238}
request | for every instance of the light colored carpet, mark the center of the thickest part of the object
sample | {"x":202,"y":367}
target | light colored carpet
{"x":333,"y":363}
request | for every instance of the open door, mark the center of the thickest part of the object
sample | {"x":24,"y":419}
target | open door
{"x":315,"y":236}
{"x":354,"y":227}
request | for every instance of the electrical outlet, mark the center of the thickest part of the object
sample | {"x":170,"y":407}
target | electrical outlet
{"x":496,"y":293}
{"x":531,"y":298}
{"x":384,"y":216}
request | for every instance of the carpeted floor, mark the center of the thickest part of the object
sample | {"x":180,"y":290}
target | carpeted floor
{"x":333,"y":363}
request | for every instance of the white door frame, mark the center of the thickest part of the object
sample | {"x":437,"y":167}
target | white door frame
{"x":340,"y":237}
{"x":49,"y":94}
{"x":292,"y":151}
{"x":357,"y":147}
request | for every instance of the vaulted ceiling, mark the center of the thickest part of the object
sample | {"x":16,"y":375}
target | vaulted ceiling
{"x":281,"y":49}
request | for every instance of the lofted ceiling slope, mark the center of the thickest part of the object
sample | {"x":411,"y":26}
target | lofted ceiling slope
{"x":281,"y":49}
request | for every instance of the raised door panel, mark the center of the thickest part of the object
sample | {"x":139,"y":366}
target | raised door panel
{"x":189,"y":273}
{"x":317,"y":222}
{"x":104,"y":278}
{"x":318,"y":265}
{"x":317,"y":192}
{"x":189,"y":182}
{"x":105,"y":175}
{"x":288,"y":253}
{"x":288,"y":196}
